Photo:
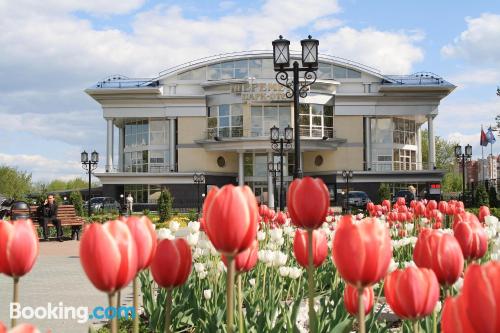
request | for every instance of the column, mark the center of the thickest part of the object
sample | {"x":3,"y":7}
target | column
{"x":368,"y":143}
{"x":432,"y":143}
{"x":172,"y":146}
{"x":121,"y":144}
{"x":419,"y":149}
{"x":241,"y":170}
{"x":109,"y":146}
{"x":270,"y":187}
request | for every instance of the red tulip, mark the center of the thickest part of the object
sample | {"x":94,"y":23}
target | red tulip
{"x":308,"y":201}
{"x":472,"y":238}
{"x":370,"y":207}
{"x":454,"y":318}
{"x":401,"y":201}
{"x":22,"y":328}
{"x":145,"y":239}
{"x":483,"y":212}
{"x":351,"y":299}
{"x":443,"y":207}
{"x":108,"y":255}
{"x":432,"y":204}
{"x":387,"y":204}
{"x":412,"y":293}
{"x":419,"y":209}
{"x":440,"y":252}
{"x":413,"y":203}
{"x":481,"y":292}
{"x":246,"y":260}
{"x":280,"y":218}
{"x":171,"y":264}
{"x":231,"y":218}
{"x":18,"y":247}
{"x":319,"y":245}
{"x":362,"y":252}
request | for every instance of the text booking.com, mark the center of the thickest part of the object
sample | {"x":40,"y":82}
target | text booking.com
{"x":81,"y":314}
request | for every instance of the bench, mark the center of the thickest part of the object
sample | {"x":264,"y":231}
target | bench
{"x":66,"y":214}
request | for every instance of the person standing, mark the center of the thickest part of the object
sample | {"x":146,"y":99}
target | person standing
{"x":130,"y":203}
{"x":49,"y":214}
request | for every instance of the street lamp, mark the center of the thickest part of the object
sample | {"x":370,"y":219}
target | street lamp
{"x":296,"y":89}
{"x":198,"y":178}
{"x":274,"y":168}
{"x":464,"y":157}
{"x":89,"y":166}
{"x":281,"y":144}
{"x":347,"y":174}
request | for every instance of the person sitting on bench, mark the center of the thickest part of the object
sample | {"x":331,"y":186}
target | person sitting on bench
{"x":49,"y":214}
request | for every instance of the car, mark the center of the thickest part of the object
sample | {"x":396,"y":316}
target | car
{"x":358,"y":199}
{"x":104,"y":204}
{"x":407,"y":194}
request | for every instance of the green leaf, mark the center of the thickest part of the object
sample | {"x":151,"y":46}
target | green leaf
{"x":344,"y":327}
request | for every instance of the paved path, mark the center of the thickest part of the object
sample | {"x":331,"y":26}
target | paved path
{"x":56,"y":277}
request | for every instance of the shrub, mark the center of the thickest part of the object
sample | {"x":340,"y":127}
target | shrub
{"x":192,"y":215}
{"x":75,"y":198}
{"x":165,"y":205}
{"x":481,"y":196}
{"x":384,"y":192}
{"x":493,"y":198}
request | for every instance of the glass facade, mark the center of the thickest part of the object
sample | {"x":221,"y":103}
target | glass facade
{"x":329,"y":71}
{"x":147,"y":146}
{"x":143,"y":193}
{"x":266,"y":116}
{"x":225,"y":121}
{"x":316,"y":120}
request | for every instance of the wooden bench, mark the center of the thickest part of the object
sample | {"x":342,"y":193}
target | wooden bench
{"x":65,"y":213}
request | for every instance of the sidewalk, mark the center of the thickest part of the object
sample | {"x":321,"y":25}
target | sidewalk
{"x":57,"y":277}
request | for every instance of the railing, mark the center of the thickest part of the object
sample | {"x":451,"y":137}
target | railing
{"x":396,"y":166}
{"x":151,"y":169}
{"x":420,"y":78}
{"x":221,"y":134}
{"x":120,"y":81}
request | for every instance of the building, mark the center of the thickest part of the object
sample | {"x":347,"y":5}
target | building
{"x":213,"y":116}
{"x":488,"y":169}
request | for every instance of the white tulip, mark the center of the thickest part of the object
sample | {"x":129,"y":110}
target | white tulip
{"x":409,"y":227}
{"x":174,"y":226}
{"x":393,"y":265}
{"x":252,"y":282}
{"x":437,"y":308}
{"x":276,"y":234}
{"x":192,"y":239}
{"x":207,"y":293}
{"x":284,"y":271}
{"x":202,"y":275}
{"x":458,"y":285}
{"x":221,"y":267}
{"x":164,"y":233}
{"x":199,"y":267}
{"x":295,"y":272}
{"x":279,"y":259}
{"x":261,"y":235}
{"x":329,"y":218}
{"x":194,"y":226}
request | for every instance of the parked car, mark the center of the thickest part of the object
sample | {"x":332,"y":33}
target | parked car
{"x":358,"y":199}
{"x":408,"y":195}
{"x":103,"y":204}
{"x":5,"y":204}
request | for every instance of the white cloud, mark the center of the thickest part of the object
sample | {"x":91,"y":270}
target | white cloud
{"x":391,"y":52}
{"x":479,"y":43}
{"x":327,"y":23}
{"x":476,"y":76}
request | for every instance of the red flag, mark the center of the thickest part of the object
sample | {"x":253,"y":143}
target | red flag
{"x":483,"y":141}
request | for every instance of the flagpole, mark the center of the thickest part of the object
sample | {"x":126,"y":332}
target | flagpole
{"x":482,"y":158}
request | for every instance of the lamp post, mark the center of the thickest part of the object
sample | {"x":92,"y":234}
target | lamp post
{"x":281,"y":144}
{"x":89,"y":166}
{"x":198,"y":178}
{"x":274,"y":169}
{"x":466,"y":156}
{"x":347,"y":174}
{"x":296,"y":89}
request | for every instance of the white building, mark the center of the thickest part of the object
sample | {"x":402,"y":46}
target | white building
{"x":213,"y":116}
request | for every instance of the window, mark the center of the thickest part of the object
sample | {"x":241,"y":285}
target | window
{"x":136,"y":133}
{"x":316,"y":120}
{"x":241,"y":69}
{"x":225,"y":121}
{"x":199,"y":74}
{"x":159,"y":132}
{"x":266,"y":116}
{"x":404,"y":131}
{"x":136,"y":161}
{"x":405,"y":159}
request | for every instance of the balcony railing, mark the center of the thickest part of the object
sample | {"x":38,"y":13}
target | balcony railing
{"x":228,"y":133}
{"x":150,"y":168}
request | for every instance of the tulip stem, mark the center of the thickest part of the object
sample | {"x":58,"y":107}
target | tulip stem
{"x":15,"y":299}
{"x":168,"y":311}
{"x":416,"y":327}
{"x":434,"y":321}
{"x":310,"y":281}
{"x":229,"y":293}
{"x":361,"y":311}
{"x":112,"y":303}
{"x":135,"y":328}
{"x":240,"y":303}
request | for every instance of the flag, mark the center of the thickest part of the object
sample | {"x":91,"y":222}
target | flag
{"x":483,"y":141}
{"x":490,"y":136}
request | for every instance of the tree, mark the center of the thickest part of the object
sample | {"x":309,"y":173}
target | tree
{"x":452,"y":182}
{"x":73,"y":184}
{"x":384,"y":192}
{"x":14,"y":183}
{"x":493,"y":198}
{"x":75,"y":198}
{"x":445,"y":152}
{"x":481,"y":196}
{"x":165,"y":202}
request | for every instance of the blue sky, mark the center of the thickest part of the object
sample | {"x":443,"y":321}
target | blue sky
{"x":53,"y":50}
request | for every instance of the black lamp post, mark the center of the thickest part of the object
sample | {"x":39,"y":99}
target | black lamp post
{"x":89,"y":166}
{"x":347,"y":174}
{"x":198,"y":178}
{"x":464,"y":157}
{"x":281,"y":144}
{"x":274,"y":169}
{"x":296,"y":89}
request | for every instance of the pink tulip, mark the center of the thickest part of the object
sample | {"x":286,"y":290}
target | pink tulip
{"x":144,"y":236}
{"x":319,"y":245}
{"x":246,"y":260}
{"x":172,"y":262}
{"x":18,"y":247}
{"x":308,"y":201}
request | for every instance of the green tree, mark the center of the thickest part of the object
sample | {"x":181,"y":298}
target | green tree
{"x":384,"y":192}
{"x":493,"y":197}
{"x":445,"y":152}
{"x":75,"y":198}
{"x":481,"y":196}
{"x":73,"y":184}
{"x":452,"y":182}
{"x":14,"y":183}
{"x":165,"y":202}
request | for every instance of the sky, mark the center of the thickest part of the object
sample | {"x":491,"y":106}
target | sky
{"x":52,"y":50}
